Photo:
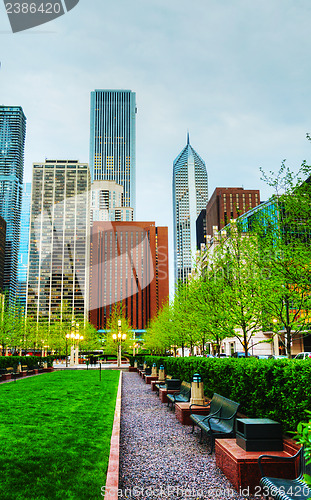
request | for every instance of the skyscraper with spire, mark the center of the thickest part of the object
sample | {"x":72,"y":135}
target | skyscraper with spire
{"x":190,"y":196}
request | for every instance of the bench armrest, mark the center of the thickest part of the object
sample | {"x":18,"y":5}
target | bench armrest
{"x":278,"y":458}
{"x":221,"y":418}
{"x":175,"y":394}
{"x":203,"y":406}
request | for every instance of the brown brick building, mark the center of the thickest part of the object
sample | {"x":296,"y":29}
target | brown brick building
{"x":228,"y":203}
{"x":128,"y":267}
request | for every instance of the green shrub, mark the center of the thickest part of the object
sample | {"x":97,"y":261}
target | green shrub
{"x":32,"y":362}
{"x":276,"y":389}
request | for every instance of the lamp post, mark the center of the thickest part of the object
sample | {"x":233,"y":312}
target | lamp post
{"x":119,"y":339}
{"x":77,"y":338}
{"x":67,"y":337}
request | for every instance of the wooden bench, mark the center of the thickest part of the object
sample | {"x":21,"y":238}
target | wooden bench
{"x":221,"y":420}
{"x":286,"y":489}
{"x":181,"y":396}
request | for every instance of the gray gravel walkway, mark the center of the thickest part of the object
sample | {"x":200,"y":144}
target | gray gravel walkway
{"x":159,"y":459}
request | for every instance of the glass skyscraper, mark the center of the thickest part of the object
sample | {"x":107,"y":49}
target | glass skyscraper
{"x":113,"y":140}
{"x":57,"y":285}
{"x":190,"y":196}
{"x":12,"y":142}
{"x":24,"y":245}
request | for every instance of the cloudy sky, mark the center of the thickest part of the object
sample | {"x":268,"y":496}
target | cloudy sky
{"x":236,"y":73}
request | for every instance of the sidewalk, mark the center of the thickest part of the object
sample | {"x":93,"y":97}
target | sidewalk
{"x":105,"y":366}
{"x":159,"y":459}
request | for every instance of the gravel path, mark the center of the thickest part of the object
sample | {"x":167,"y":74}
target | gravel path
{"x":159,"y":459}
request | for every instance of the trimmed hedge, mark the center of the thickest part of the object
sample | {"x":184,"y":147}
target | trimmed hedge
{"x":276,"y":389}
{"x":31,"y":361}
{"x":140,"y":358}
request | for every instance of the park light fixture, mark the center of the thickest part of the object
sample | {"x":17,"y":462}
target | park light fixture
{"x":119,"y":338}
{"x":197,"y":390}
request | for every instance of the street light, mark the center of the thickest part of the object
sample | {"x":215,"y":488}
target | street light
{"x":119,"y":339}
{"x":77,"y":338}
{"x":67,"y":337}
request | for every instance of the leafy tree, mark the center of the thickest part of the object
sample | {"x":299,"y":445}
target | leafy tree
{"x":160,"y":333}
{"x":285,"y":249}
{"x":211,"y":307}
{"x":113,"y":328}
{"x":237,"y":264}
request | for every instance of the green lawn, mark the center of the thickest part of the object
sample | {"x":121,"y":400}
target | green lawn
{"x":55,"y":432}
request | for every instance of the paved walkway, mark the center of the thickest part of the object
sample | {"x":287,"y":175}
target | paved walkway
{"x":105,"y":366}
{"x":159,"y":459}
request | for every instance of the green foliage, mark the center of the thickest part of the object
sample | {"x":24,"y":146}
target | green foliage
{"x":140,"y":358}
{"x":31,"y":361}
{"x":55,"y":432}
{"x":113,"y":328}
{"x":303,"y":437}
{"x":276,"y":389}
{"x":285,"y":251}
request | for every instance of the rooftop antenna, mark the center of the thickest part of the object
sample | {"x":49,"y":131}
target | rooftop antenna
{"x":188,"y":140}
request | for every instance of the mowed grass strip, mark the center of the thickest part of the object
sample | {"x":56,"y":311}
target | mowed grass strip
{"x":55,"y":432}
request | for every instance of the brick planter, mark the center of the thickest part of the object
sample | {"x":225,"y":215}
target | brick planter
{"x":132,"y":369}
{"x":182,"y":412}
{"x":241,"y":467}
{"x":150,"y":378}
{"x":153,"y":383}
{"x":6,"y":376}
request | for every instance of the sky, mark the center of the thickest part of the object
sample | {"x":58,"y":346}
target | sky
{"x":235,"y":73}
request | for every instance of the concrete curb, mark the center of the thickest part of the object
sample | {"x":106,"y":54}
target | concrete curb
{"x":112,"y":481}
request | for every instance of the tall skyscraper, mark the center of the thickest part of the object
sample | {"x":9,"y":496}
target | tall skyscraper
{"x":113,"y":140}
{"x":129,"y":271}
{"x":190,"y":195}
{"x":12,"y":142}
{"x":57,"y":285}
{"x":24,"y":246}
{"x":2,"y":250}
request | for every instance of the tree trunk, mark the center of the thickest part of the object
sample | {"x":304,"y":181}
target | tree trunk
{"x":245,"y":345}
{"x":288,"y":331}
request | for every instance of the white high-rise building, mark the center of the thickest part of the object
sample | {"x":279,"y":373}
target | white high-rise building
{"x":190,"y":196}
{"x":107,"y":202}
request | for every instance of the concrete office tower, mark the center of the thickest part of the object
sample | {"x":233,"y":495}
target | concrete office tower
{"x":24,"y":246}
{"x":113,"y":140}
{"x":57,"y":285}
{"x":107,"y":202}
{"x":128,"y":271}
{"x":190,"y":195}
{"x":12,"y":142}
